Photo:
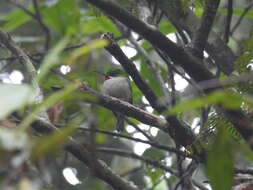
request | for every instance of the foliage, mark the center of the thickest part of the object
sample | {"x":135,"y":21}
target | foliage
{"x":220,"y":159}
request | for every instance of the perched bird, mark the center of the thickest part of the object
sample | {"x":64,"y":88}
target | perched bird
{"x":119,"y":87}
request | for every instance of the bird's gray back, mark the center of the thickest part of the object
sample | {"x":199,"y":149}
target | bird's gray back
{"x":118,"y":87}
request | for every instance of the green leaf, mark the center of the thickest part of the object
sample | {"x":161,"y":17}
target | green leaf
{"x":50,"y":143}
{"x":106,"y":119}
{"x":99,"y":24}
{"x":14,"y":19}
{"x":51,"y":60}
{"x":154,"y":174}
{"x":151,"y":79}
{"x":85,"y":49}
{"x":166,"y":27}
{"x":216,"y":121}
{"x":198,"y":12}
{"x":136,"y":91}
{"x":10,"y":100}
{"x":51,"y":100}
{"x":220,"y":162}
{"x":63,"y":16}
{"x":154,"y":154}
{"x":245,"y":58}
{"x":228,"y":98}
{"x":52,"y":80}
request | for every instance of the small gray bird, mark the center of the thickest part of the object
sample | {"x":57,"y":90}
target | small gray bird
{"x":119,"y":87}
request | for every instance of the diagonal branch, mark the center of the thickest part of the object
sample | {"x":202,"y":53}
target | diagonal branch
{"x":126,"y":108}
{"x":178,"y":130}
{"x":99,"y":168}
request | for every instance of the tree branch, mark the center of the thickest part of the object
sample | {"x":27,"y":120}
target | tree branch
{"x":202,"y":33}
{"x":178,"y":130}
{"x":178,"y":55}
{"x":188,"y":21}
{"x":228,"y":21}
{"x":137,"y":128}
{"x":99,"y":168}
{"x":126,"y":108}
{"x":135,"y":156}
{"x":7,"y":41}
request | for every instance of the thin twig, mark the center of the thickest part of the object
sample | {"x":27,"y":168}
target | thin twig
{"x":42,"y":24}
{"x":27,"y":11}
{"x":172,"y":84}
{"x":131,"y":171}
{"x":246,"y":10}
{"x":228,"y":21}
{"x":135,"y":156}
{"x":167,"y":60}
{"x":155,"y":145}
{"x":153,"y":65}
{"x":36,"y":16}
{"x":91,"y":123}
{"x":139,"y":129}
{"x":217,"y":83}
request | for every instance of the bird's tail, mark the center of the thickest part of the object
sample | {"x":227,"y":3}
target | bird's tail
{"x":120,"y":122}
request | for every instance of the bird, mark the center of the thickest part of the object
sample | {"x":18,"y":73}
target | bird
{"x":119,"y":87}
